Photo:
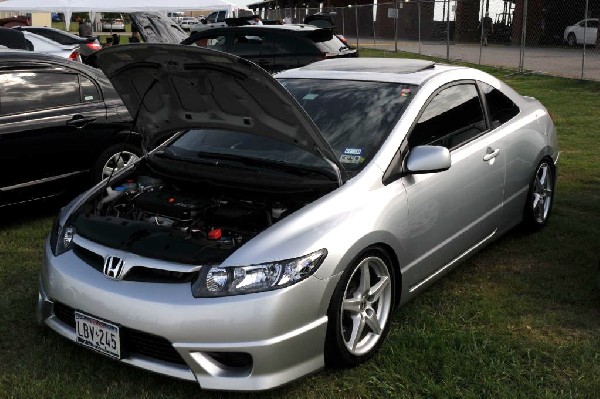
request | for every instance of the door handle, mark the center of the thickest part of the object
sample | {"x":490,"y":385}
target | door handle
{"x":491,"y":155}
{"x":80,"y":121}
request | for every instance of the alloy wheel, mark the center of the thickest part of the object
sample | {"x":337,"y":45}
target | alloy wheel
{"x":366,"y":306}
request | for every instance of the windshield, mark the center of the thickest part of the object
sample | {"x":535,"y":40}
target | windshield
{"x":213,"y":145}
{"x":355,"y":117}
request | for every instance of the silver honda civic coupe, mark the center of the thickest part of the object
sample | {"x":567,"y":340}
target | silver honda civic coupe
{"x":278,"y":222}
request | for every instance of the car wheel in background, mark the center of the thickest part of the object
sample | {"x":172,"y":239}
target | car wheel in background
{"x":117,"y":156}
{"x":360,"y":310}
{"x":540,"y":197}
{"x":572,"y":40}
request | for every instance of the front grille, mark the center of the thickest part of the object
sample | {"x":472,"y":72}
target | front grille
{"x":132,"y":341}
{"x":136,"y":273}
{"x":93,"y":259}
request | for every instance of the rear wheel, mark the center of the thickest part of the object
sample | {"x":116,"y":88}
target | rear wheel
{"x":115,"y":157}
{"x":540,"y":196}
{"x":572,"y":40}
{"x":360,"y":310}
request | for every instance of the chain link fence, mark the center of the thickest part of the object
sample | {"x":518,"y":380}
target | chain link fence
{"x":558,"y":38}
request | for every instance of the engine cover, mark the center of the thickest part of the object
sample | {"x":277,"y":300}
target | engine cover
{"x":176,"y":206}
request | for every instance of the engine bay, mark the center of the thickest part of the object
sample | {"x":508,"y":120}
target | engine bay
{"x":177,"y":220}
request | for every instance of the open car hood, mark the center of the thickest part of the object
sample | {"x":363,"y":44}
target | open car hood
{"x":169,"y":88}
{"x":155,"y":27}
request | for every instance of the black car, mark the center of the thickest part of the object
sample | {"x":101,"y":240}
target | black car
{"x":87,"y":45}
{"x":274,"y":47}
{"x":61,"y":125}
{"x":11,"y":38}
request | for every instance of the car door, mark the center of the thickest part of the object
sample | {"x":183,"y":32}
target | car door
{"x":50,"y":124}
{"x":454,"y":211}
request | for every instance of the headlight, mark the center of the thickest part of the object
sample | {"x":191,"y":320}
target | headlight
{"x":235,"y":280}
{"x":61,"y":238}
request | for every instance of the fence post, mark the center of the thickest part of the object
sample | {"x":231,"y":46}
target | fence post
{"x":448,"y":32}
{"x":419,"y":11}
{"x":356,"y":19}
{"x":585,"y":17}
{"x":343,"y":22}
{"x":481,"y":31}
{"x":523,"y":38}
{"x":396,"y":26}
{"x":374,"y":18}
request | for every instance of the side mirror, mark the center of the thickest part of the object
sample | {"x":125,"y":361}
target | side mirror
{"x":428,"y":159}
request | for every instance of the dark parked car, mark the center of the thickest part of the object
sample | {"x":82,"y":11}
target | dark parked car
{"x":61,"y":125}
{"x":274,"y":47}
{"x":87,"y":45}
{"x":11,"y":38}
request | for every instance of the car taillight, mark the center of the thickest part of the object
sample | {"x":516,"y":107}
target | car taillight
{"x":342,"y":39}
{"x":94,"y":46}
{"x":75,"y":56}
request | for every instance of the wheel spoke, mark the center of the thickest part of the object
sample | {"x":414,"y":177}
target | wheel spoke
{"x":544,"y":176}
{"x":376,"y":290}
{"x":536,"y":200}
{"x":540,"y":209}
{"x":373,"y":322}
{"x":351,"y":305}
{"x":365,"y":279}
{"x":106,"y":171}
{"x":358,"y":325}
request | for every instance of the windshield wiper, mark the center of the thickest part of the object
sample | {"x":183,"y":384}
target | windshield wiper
{"x":302,"y":170}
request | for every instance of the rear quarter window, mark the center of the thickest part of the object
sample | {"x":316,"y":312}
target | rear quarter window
{"x":501,"y":108}
{"x":290,"y":44}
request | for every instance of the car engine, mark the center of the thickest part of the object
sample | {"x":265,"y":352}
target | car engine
{"x":177,"y":221}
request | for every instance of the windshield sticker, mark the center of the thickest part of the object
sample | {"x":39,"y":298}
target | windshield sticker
{"x":405,"y":93}
{"x":310,"y":96}
{"x":353,"y":151}
{"x":353,"y":159}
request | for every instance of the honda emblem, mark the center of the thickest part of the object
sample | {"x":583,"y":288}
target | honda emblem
{"x":113,"y":267}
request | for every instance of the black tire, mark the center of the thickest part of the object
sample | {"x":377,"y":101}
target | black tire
{"x":572,"y":40}
{"x":111,"y":153}
{"x":338,"y":343}
{"x":540,"y":197}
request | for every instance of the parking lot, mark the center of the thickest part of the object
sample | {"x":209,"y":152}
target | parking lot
{"x":555,"y":61}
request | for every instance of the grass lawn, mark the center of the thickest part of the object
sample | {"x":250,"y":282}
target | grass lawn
{"x":519,"y":320}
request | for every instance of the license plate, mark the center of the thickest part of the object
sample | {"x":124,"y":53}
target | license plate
{"x":98,"y":335}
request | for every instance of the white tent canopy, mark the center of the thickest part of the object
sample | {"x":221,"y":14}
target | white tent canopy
{"x":67,"y":7}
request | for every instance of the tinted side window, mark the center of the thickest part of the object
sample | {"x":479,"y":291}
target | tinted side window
{"x":221,"y":16}
{"x":592,"y":24}
{"x":212,"y":41}
{"x":212,"y":17}
{"x":27,"y":91}
{"x":245,"y":44}
{"x":293,"y":45}
{"x":89,"y":91}
{"x":452,"y":118}
{"x":502,"y":109}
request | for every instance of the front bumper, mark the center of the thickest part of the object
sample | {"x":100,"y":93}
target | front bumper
{"x":282,"y":331}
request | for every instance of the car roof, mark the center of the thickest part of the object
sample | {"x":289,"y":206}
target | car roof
{"x":25,"y":56}
{"x":286,"y":27}
{"x":398,"y":70}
